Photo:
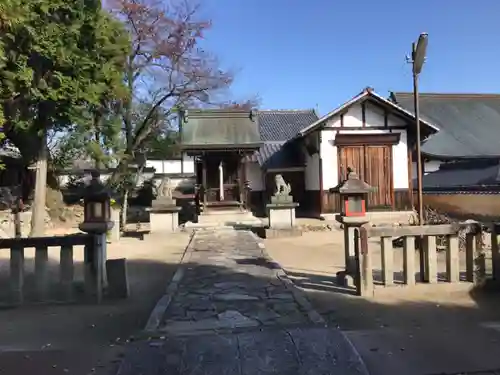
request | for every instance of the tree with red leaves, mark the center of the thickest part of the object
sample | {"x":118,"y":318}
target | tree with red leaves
{"x":167,"y":70}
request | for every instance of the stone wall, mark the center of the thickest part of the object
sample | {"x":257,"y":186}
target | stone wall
{"x":482,"y":207}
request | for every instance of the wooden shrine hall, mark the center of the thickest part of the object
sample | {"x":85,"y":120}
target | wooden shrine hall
{"x":220,"y":141}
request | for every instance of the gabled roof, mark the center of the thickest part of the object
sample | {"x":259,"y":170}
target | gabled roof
{"x":220,"y":128}
{"x":469,"y":123}
{"x":366,"y":94}
{"x":282,"y":125}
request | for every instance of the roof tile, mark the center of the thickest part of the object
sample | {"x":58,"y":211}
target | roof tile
{"x":469,"y":123}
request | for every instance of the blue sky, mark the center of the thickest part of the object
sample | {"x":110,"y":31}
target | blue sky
{"x":305,"y":53}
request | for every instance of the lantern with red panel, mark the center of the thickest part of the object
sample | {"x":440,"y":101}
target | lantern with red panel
{"x":353,"y":195}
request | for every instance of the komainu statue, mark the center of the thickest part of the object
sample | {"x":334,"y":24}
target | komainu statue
{"x":282,"y":188}
{"x":165,"y":189}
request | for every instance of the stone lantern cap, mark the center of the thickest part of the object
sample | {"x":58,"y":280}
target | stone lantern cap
{"x":95,"y":189}
{"x":353,"y":185}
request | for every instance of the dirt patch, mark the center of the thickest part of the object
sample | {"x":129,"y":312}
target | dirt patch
{"x":83,"y":339}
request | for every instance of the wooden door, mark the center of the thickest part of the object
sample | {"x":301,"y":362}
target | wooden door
{"x":378,"y":173}
{"x":373,"y":165}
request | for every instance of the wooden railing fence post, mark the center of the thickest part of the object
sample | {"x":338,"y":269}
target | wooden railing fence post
{"x":364,"y":270}
{"x":452,"y":259}
{"x":495,"y":255}
{"x":42,"y":272}
{"x":430,"y":258}
{"x":475,"y":261}
{"x":17,"y":274}
{"x":66,"y":271}
{"x":409,"y":260}
{"x":387,"y":261}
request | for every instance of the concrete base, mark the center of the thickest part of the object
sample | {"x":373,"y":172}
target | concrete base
{"x":227,"y":218}
{"x":282,"y":233}
{"x":166,"y":221}
{"x":281,"y":216}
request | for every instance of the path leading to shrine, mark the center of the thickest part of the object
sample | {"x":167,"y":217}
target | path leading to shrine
{"x":231,"y":310}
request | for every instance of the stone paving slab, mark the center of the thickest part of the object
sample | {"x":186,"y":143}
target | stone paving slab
{"x":229,"y":283}
{"x":297,"y":351}
{"x":233,"y":312}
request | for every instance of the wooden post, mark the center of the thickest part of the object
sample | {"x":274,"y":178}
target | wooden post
{"x":41,"y":271}
{"x":204,"y":181}
{"x":475,"y":262}
{"x":93,"y":261}
{"x":66,"y":271}
{"x":430,"y":259}
{"x":409,"y":260}
{"x":17,"y":273}
{"x":495,"y":255}
{"x":452,"y":259}
{"x":387,"y":260}
{"x":364,"y":274}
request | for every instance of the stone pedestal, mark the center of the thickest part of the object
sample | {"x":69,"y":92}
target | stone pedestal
{"x":281,"y":215}
{"x":164,"y":216}
{"x":351,"y":224}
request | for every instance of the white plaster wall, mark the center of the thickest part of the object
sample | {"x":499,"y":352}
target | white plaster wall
{"x":172,"y":166}
{"x":311,"y":173}
{"x":429,"y":166}
{"x":374,"y":117}
{"x":255,"y":176}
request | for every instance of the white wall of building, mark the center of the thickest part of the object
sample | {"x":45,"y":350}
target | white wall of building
{"x":172,"y":166}
{"x":374,"y":117}
{"x":429,"y":166}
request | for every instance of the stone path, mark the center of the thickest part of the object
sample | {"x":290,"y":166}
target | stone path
{"x":232,"y":313}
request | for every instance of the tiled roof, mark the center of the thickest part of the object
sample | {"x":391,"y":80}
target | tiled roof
{"x":283,"y":125}
{"x":275,"y":155}
{"x":276,"y":127}
{"x":469,"y":123}
{"x":472,"y":173}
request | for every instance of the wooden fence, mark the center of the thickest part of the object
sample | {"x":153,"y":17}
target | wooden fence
{"x":425,"y":238}
{"x":94,"y":248}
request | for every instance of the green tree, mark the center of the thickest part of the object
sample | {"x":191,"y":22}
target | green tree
{"x":61,"y":66}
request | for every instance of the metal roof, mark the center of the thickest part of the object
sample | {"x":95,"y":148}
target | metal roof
{"x":209,"y":129}
{"x":469,"y":123}
{"x":282,"y":125}
{"x":472,"y":173}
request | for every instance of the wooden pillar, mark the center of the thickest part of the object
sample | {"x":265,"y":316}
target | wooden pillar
{"x":243,"y":180}
{"x":204,"y":180}
{"x":410,"y":174}
{"x":320,"y":173}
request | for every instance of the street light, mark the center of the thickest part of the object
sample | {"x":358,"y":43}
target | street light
{"x":417,"y":60}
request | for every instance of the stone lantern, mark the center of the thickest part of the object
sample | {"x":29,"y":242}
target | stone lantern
{"x":353,"y":194}
{"x":97,"y":207}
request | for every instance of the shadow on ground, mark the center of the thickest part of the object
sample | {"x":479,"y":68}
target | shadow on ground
{"x":406,"y":334}
{"x":81,"y":338}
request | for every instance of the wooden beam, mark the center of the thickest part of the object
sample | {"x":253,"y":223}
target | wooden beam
{"x":367,"y":139}
{"x":363,"y":114}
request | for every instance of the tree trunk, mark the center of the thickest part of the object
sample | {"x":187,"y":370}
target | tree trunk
{"x":123,"y":216}
{"x":38,"y":212}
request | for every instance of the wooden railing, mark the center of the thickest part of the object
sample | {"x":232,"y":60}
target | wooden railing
{"x":425,"y":238}
{"x":94,"y":248}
